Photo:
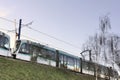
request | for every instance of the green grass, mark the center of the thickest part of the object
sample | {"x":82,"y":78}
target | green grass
{"x":11,"y":69}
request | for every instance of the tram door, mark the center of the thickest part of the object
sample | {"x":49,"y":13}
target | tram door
{"x":34,"y":53}
{"x":63,"y":61}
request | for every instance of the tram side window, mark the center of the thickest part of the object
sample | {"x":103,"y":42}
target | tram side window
{"x":24,"y":48}
{"x":71,"y":61}
{"x":47,"y":54}
{"x":51,"y":55}
{"x":85,"y":65}
{"x":102,"y":70}
{"x":90,"y":66}
{"x":115,"y":73}
{"x":63,"y":59}
{"x":78,"y":63}
{"x":43,"y":53}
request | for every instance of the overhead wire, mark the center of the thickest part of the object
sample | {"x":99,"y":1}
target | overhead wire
{"x":23,"y":25}
{"x":27,"y":26}
{"x":7,"y":19}
{"x":54,"y":38}
{"x":43,"y":43}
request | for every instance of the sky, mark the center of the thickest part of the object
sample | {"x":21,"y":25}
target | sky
{"x":72,"y":21}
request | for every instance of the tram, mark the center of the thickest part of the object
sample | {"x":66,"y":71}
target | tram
{"x":36,"y":52}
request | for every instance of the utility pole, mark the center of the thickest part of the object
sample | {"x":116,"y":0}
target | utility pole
{"x":19,"y":33}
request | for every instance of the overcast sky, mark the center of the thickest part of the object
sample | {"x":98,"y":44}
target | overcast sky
{"x":72,"y":21}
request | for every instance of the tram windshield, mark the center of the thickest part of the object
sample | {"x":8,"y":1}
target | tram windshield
{"x":4,"y":42}
{"x":24,"y":48}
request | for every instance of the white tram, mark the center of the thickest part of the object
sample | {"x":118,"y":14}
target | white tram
{"x":35,"y":52}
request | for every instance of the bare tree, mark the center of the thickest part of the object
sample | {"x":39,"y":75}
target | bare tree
{"x":102,"y":44}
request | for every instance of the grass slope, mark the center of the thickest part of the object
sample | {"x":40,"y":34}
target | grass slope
{"x":11,"y":69}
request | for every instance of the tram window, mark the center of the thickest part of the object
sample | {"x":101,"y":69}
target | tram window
{"x":115,"y":73}
{"x":24,"y":48}
{"x":103,"y":70}
{"x":63,"y":59}
{"x":78,"y":63}
{"x":90,"y":66}
{"x":71,"y":61}
{"x":51,"y":54}
{"x":43,"y":53}
{"x":4,"y":42}
{"x":85,"y":65}
{"x":47,"y":54}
